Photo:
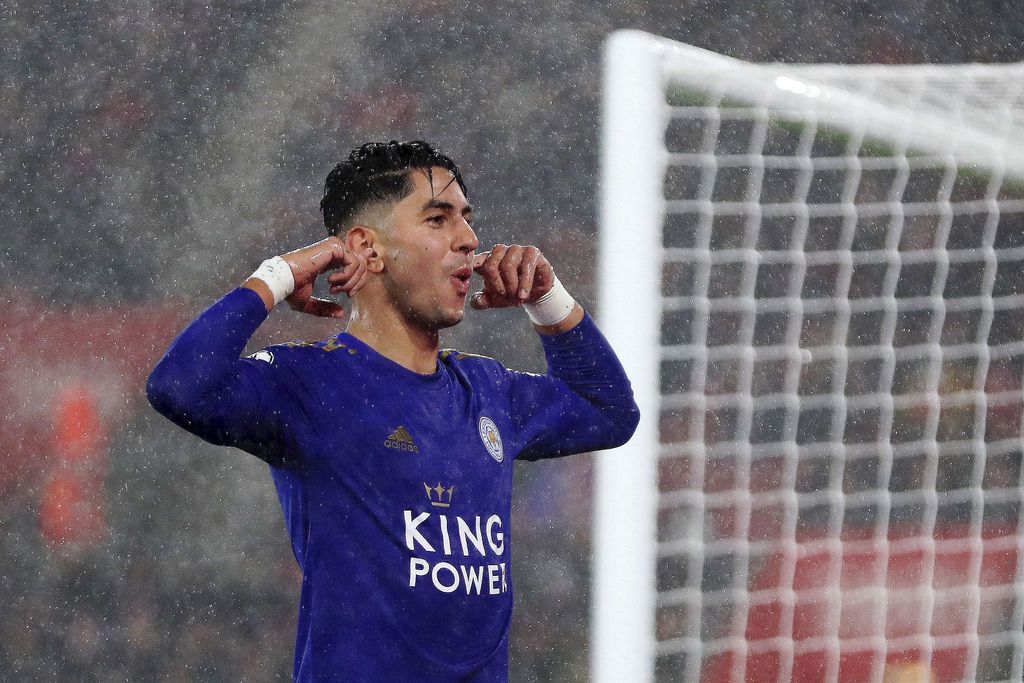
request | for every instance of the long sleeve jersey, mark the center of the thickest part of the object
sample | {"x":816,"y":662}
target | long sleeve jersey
{"x":395,"y":486}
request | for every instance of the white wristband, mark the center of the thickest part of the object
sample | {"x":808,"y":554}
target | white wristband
{"x":553,"y":307}
{"x":277,"y":275}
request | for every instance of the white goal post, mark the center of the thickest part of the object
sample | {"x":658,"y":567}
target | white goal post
{"x":814,"y":275}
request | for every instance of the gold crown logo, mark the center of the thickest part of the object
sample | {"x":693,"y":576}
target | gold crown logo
{"x":401,"y":440}
{"x":437,"y":494}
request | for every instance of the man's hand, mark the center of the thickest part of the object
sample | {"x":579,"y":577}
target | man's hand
{"x":521,"y":276}
{"x":306,"y":265}
{"x":513,"y":275}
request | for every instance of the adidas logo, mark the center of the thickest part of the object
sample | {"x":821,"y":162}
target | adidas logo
{"x":401,"y":440}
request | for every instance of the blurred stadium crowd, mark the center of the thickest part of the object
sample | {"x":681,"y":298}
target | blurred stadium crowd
{"x":116,"y":115}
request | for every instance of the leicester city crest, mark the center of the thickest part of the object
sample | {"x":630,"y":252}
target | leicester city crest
{"x":491,"y":437}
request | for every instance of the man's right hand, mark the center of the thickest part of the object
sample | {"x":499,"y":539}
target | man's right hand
{"x":306,"y":265}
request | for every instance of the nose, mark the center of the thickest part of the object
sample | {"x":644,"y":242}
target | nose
{"x":466,"y":240}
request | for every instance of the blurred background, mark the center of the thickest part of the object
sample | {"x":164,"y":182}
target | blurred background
{"x":153,"y":153}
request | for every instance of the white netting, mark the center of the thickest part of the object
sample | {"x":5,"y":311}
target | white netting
{"x":842,"y":349}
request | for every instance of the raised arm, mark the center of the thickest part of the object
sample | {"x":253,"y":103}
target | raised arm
{"x":202,"y":385}
{"x":585,"y":401}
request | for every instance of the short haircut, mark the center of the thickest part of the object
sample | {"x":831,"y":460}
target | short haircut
{"x":377,"y":172}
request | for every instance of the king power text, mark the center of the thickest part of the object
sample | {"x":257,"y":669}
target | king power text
{"x":462,"y":541}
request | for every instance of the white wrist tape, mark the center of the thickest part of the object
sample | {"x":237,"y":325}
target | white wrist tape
{"x":553,"y":307}
{"x":277,"y":275}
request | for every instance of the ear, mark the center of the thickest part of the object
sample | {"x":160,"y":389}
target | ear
{"x":364,"y":240}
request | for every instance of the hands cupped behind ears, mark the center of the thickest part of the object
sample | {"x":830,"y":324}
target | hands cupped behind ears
{"x":310,"y":262}
{"x":513,"y":275}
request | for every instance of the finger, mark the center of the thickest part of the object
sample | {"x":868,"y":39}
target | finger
{"x":545,"y":275}
{"x":340,"y":256}
{"x":309,"y":261}
{"x":326,"y":255}
{"x":360,"y":259}
{"x":309,"y":266}
{"x":354,"y":278}
{"x":479,"y":301}
{"x":510,"y":269}
{"x":323,"y":308}
{"x":490,"y":270}
{"x":349,"y":256}
{"x":349,"y":273}
{"x":479,"y":259}
{"x":346,"y":261}
{"x":323,"y":256}
{"x":340,"y":277}
{"x":350,"y":283}
{"x":363,"y":277}
{"x":526,"y":270}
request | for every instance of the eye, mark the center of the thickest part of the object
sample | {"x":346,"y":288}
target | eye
{"x":437,"y":219}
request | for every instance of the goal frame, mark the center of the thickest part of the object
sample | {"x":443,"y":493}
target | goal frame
{"x":637,"y":67}
{"x":632,"y":162}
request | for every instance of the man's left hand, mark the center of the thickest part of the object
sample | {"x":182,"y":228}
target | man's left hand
{"x":513,"y":275}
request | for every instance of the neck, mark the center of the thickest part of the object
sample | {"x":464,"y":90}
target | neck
{"x":395,"y":338}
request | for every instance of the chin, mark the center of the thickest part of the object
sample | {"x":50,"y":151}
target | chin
{"x":441,"y":320}
{"x":451,"y":320}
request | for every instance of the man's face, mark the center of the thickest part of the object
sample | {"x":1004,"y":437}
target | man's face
{"x":429,"y":251}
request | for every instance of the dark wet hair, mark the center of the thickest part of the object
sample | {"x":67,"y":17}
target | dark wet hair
{"x":377,"y":172}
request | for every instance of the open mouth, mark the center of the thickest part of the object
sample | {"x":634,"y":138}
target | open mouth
{"x":460,"y":279}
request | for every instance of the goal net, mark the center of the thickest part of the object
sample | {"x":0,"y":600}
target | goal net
{"x":815,"y":277}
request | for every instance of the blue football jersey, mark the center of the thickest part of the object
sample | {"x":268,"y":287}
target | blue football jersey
{"x":395,"y":486}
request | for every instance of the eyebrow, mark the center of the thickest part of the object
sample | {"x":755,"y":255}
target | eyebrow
{"x":445,"y":206}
